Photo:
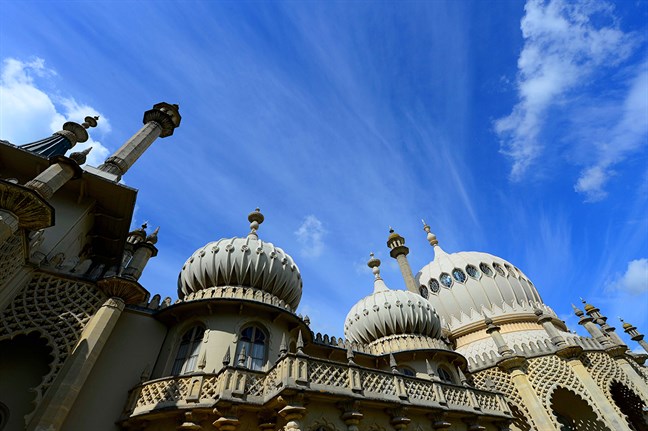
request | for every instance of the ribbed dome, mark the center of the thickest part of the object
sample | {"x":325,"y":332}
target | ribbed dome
{"x":390,"y":312}
{"x":246,"y":262}
{"x":466,"y":287}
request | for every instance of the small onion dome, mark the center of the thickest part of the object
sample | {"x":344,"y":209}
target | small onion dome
{"x":626,"y":325}
{"x":589,"y":307}
{"x":464,"y":287}
{"x":390,"y":312}
{"x":245,"y":262}
{"x":138,"y":235}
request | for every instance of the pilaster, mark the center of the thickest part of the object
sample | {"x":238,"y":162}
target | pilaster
{"x":60,"y":398}
{"x":515,"y":366}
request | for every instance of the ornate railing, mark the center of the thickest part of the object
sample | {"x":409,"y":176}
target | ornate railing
{"x":302,"y":372}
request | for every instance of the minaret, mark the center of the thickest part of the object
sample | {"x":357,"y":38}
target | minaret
{"x":601,"y":320}
{"x":592,"y":328}
{"x":634,"y":334}
{"x":399,"y":251}
{"x":144,"y":250}
{"x":159,"y":122}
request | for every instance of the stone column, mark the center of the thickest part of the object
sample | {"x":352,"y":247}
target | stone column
{"x":61,"y":170}
{"x":293,"y":415}
{"x":635,"y":335}
{"x":158,"y":122}
{"x":61,"y":396}
{"x":399,"y":251}
{"x":592,"y":328}
{"x":571,"y":355}
{"x":546,"y":322}
{"x":515,"y":366}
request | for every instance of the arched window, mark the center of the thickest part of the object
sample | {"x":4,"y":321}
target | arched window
{"x":185,"y":361}
{"x":255,"y":342}
{"x":444,"y":375}
{"x":406,"y":371}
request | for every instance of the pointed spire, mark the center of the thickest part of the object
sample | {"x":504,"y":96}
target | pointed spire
{"x":578,"y":311}
{"x":392,"y":363}
{"x":432,"y":239}
{"x":227,"y":358}
{"x":350,"y":354}
{"x":283,"y":347}
{"x":153,"y":238}
{"x":241,"y":358}
{"x":80,"y":157}
{"x":255,"y":218}
{"x":430,"y":371}
{"x":300,"y":343}
{"x":374,"y":264}
{"x":202,"y":362}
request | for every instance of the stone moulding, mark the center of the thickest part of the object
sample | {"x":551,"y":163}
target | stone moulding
{"x":315,"y":376}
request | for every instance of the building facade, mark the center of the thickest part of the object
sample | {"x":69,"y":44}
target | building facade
{"x":468,"y":345}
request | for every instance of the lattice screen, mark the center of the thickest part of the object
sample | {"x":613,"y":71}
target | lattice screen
{"x":58,"y":309}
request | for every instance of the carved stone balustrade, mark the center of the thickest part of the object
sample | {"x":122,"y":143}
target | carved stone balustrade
{"x":315,"y":376}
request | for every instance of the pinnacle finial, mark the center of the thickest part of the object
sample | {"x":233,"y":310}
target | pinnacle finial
{"x":255,"y":218}
{"x":227,"y":358}
{"x":393,"y":364}
{"x":577,"y":311}
{"x":80,"y":156}
{"x":242,"y":357}
{"x":90,"y":122}
{"x":432,"y":239}
{"x":374,"y":264}
{"x":300,"y":343}
{"x":153,"y":237}
{"x":283,"y":347}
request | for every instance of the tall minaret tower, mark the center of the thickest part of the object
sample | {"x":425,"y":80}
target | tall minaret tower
{"x":399,"y":251}
{"x":159,"y":122}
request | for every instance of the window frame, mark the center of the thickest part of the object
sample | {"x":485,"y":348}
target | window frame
{"x":189,"y":357}
{"x":253,"y":361}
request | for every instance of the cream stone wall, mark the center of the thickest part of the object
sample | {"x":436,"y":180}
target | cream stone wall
{"x":130,"y":351}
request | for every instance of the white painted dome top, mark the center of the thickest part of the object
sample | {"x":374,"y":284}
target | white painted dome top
{"x":244,"y":262}
{"x":466,"y":287}
{"x":390,"y":312}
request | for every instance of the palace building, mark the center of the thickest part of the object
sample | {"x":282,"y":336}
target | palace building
{"x":468,"y":344}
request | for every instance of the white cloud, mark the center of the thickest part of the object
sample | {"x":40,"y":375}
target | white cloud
{"x":28,"y":113}
{"x":310,"y":235}
{"x":625,"y":137}
{"x":635,"y":279}
{"x":564,"y":47}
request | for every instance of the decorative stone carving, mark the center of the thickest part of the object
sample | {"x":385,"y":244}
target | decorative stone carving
{"x":58,"y":309}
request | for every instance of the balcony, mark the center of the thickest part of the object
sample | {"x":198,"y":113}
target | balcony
{"x":315,"y":376}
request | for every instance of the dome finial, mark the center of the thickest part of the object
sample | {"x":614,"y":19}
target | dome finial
{"x":374,"y":264}
{"x":255,"y":218}
{"x":432,"y":239}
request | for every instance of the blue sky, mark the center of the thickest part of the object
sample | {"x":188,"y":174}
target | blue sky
{"x":518,"y":129}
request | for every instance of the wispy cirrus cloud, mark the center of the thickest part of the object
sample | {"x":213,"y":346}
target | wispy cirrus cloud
{"x":310,"y":235}
{"x":623,"y":138}
{"x":566,"y":46}
{"x":30,"y":113}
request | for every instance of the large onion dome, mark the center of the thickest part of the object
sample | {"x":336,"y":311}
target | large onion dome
{"x":390,"y":312}
{"x":466,"y":287}
{"x":243,"y":262}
